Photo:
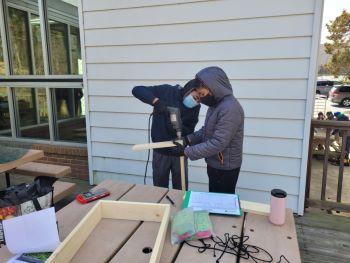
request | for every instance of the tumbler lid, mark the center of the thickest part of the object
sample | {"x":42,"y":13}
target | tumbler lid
{"x":278,"y":193}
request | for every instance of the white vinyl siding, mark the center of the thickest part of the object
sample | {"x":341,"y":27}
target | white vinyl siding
{"x":265,"y":47}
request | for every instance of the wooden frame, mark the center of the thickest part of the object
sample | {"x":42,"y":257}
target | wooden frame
{"x":114,"y":210}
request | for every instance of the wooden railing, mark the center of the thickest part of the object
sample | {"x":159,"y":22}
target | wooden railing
{"x":324,"y":137}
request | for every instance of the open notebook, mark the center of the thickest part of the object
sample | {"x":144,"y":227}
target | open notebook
{"x":216,"y":203}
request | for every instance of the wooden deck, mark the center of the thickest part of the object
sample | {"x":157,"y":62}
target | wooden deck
{"x":322,"y":237}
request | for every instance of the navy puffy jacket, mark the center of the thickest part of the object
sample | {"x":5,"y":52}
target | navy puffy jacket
{"x":172,"y":96}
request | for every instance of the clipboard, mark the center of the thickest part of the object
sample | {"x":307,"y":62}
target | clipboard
{"x":214,"y":203}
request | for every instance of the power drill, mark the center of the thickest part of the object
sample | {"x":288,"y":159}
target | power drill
{"x":175,"y":119}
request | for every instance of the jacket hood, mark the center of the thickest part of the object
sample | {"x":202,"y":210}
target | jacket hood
{"x":217,"y":81}
{"x":189,"y":86}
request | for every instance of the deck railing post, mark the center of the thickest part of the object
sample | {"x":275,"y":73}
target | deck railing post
{"x":325,"y":165}
{"x":341,"y":166}
{"x":309,"y":163}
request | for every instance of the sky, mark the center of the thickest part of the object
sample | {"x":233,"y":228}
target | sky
{"x":332,"y":9}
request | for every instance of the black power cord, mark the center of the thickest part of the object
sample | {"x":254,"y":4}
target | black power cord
{"x":236,"y":245}
{"x":149,"y":150}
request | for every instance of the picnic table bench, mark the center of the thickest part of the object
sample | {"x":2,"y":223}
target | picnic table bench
{"x":125,"y":241}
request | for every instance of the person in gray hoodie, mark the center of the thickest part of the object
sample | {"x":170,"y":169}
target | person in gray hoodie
{"x":220,"y":140}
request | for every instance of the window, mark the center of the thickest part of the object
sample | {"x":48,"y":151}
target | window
{"x":75,"y":51}
{"x":64,"y":37}
{"x":5,"y":124}
{"x":59,"y":48}
{"x":19,"y":36}
{"x":345,"y":89}
{"x":2,"y":63}
{"x":70,"y":115}
{"x":37,"y":46}
{"x":32,"y":113}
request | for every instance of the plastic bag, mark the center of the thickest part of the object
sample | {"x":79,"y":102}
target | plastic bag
{"x":190,"y":225}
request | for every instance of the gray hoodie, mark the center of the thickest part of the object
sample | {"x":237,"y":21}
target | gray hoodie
{"x":220,"y":140}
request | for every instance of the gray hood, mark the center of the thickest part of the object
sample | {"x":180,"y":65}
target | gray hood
{"x":217,"y":81}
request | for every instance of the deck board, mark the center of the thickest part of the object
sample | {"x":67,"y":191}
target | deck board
{"x":145,"y":236}
{"x":277,"y":240}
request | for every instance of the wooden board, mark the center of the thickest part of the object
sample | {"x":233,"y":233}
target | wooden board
{"x":256,"y":208}
{"x":38,"y":169}
{"x":72,"y":214}
{"x":145,"y":235}
{"x":101,"y":236}
{"x":154,"y":145}
{"x":30,"y":156}
{"x":277,"y":240}
{"x":62,"y":190}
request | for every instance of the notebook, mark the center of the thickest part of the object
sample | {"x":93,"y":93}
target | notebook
{"x":216,"y":203}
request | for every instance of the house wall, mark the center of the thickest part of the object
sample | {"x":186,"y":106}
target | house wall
{"x":265,"y":47}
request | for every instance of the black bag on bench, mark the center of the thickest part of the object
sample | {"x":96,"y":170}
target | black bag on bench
{"x":27,"y":198}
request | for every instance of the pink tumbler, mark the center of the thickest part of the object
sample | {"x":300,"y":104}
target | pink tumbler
{"x":278,"y":207}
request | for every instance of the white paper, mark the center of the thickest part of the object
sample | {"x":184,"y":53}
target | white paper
{"x":215,"y":203}
{"x":35,"y":232}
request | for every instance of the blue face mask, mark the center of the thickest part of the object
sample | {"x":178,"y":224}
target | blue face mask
{"x":189,"y":101}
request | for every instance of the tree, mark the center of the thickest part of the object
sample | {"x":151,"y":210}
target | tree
{"x":339,"y":45}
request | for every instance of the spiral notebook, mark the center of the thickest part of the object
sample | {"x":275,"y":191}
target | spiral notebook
{"x":216,"y":203}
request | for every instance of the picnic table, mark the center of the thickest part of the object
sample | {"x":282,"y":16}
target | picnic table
{"x":125,"y":241}
{"x":26,"y":156}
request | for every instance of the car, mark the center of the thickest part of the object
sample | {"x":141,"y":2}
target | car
{"x":324,"y":86}
{"x":340,"y":94}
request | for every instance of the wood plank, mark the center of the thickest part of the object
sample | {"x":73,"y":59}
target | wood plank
{"x":221,"y":225}
{"x":155,"y":145}
{"x":145,"y":235}
{"x":325,"y":166}
{"x":328,"y":205}
{"x":71,"y":215}
{"x":31,"y":155}
{"x":277,"y":240}
{"x":43,"y":169}
{"x":101,"y":236}
{"x":256,"y":208}
{"x":62,"y":190}
{"x":5,"y":254}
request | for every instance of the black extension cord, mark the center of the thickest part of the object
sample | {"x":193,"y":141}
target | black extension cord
{"x":149,"y":150}
{"x":236,"y":245}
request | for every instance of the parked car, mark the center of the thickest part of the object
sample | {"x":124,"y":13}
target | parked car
{"x":341,"y":95}
{"x":324,"y":86}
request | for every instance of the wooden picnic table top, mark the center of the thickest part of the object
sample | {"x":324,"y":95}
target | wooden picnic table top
{"x":123,"y":240}
{"x":30,"y":156}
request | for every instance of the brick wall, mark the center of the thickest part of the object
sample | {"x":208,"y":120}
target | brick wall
{"x":75,"y":157}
